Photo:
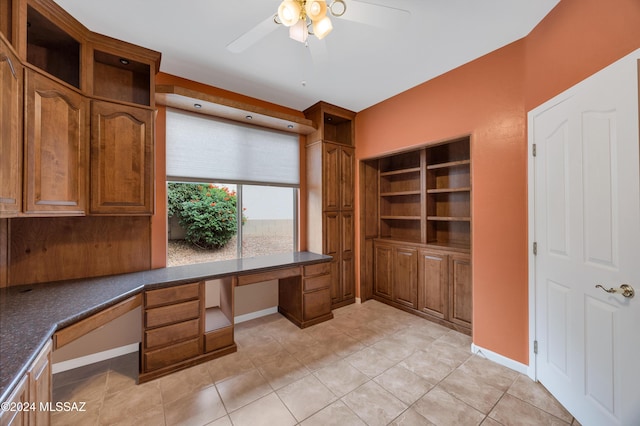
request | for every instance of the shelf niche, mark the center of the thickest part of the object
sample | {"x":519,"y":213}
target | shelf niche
{"x":119,"y":78}
{"x":52,"y":49}
{"x":218,"y":314}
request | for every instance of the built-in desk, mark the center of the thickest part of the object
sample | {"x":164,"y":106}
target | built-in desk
{"x":179,"y":330}
{"x":31,"y":315}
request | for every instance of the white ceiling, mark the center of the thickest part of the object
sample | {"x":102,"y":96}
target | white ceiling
{"x":355,"y":66}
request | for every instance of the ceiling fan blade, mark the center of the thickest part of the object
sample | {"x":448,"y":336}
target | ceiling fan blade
{"x":252,"y":36}
{"x":375,"y":14}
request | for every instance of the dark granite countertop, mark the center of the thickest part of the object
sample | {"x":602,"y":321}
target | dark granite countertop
{"x":29,"y":315}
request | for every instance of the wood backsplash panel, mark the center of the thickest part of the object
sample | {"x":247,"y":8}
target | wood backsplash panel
{"x":52,"y":249}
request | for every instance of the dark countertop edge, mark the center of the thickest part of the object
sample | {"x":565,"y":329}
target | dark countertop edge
{"x":146,"y":285}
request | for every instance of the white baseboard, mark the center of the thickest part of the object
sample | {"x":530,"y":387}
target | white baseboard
{"x":256,"y":314}
{"x":358,"y":300}
{"x":500,"y":359}
{"x":93,"y":358}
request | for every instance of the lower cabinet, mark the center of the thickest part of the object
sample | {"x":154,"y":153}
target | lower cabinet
{"x":460,"y":300}
{"x":34,"y":391}
{"x":434,"y":283}
{"x":176,"y":330}
{"x":309,"y":303}
{"x":338,"y":242}
{"x":396,"y":274}
{"x":433,"y":292}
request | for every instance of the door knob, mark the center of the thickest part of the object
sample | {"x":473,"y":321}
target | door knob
{"x":625,"y":289}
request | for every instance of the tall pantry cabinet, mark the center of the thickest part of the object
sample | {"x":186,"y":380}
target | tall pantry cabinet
{"x":330,"y":182}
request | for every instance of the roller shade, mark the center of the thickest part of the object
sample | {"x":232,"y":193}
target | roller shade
{"x":204,"y":148}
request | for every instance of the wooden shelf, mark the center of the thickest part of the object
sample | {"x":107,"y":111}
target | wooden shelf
{"x":448,"y":190}
{"x":449,"y":164}
{"x":183,"y":98}
{"x":399,"y":193}
{"x":400,"y":217}
{"x":400,"y":171}
{"x":215,"y":319}
{"x":449,"y":218}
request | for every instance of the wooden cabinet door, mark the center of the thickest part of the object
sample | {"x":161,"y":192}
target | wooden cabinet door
{"x":331,"y":176}
{"x":55,"y":148}
{"x":460,"y":290}
{"x":347,"y":258}
{"x":20,"y":395}
{"x":405,"y":276}
{"x":347,"y":164}
{"x":383,"y":270}
{"x":331,"y":247}
{"x":121,"y":159}
{"x":433,"y":280}
{"x":11,"y":80}
{"x":40,"y":384}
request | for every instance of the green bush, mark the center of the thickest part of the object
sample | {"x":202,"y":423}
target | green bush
{"x":206,"y":212}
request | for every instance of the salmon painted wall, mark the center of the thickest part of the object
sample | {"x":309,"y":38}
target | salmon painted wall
{"x":488,"y":98}
{"x":577,"y":39}
{"x":159,"y":220}
{"x":483,"y":98}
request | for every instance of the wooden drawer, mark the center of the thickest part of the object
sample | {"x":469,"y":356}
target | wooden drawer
{"x":171,"y":333}
{"x":218,"y":339}
{"x":318,"y":282}
{"x":174,"y":294}
{"x":173,"y":313}
{"x":316,"y":304}
{"x":276,"y":274}
{"x":317,"y":269}
{"x":171,"y":355}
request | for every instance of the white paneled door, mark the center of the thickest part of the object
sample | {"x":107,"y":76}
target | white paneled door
{"x":586,"y":225}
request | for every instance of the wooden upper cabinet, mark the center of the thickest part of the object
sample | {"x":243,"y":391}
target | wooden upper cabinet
{"x":338,"y":175}
{"x":121,"y":159}
{"x":6,"y":19}
{"x":55,"y":148}
{"x":11,"y":76}
{"x":45,"y":154}
{"x":347,"y":178}
{"x":331,"y":177}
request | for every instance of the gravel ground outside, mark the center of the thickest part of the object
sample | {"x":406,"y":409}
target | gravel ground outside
{"x":180,"y":252}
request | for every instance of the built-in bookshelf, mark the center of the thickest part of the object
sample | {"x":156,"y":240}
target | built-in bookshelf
{"x":425,"y":195}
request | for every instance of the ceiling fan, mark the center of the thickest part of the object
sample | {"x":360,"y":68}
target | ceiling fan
{"x":311,"y":17}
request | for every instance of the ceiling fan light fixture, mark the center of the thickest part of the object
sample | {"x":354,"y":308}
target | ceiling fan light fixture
{"x":289,"y":12}
{"x":315,"y":9}
{"x":299,"y":31}
{"x":337,"y":7}
{"x":322,"y":27}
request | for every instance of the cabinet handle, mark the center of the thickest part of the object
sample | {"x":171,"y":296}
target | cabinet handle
{"x":4,"y":57}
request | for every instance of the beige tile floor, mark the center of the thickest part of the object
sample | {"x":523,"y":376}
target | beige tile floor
{"x":370,"y":365}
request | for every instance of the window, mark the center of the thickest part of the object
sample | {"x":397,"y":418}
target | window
{"x":257,"y":169}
